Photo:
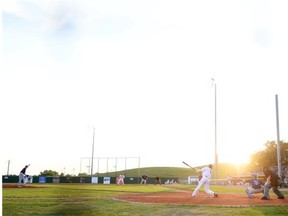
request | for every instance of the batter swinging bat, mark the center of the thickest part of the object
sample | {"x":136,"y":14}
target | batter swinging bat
{"x":188,"y":165}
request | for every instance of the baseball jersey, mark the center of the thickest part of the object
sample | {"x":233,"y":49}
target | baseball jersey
{"x":206,"y":171}
{"x":23,"y":170}
{"x":256,"y":184}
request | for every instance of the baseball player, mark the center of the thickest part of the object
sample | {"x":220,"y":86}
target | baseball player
{"x":157,"y":180}
{"x":205,"y":181}
{"x":254,"y":186}
{"x":144,"y":179}
{"x":120,"y":179}
{"x":22,"y":176}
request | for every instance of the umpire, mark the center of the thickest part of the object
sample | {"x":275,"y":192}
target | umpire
{"x":273,"y":181}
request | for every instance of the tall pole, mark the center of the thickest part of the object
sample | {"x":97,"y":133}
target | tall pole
{"x":8,"y":167}
{"x":215,"y":127}
{"x":92,"y":151}
{"x":139,"y":169}
{"x":98,"y":166}
{"x":81,"y":165}
{"x":278,"y":139}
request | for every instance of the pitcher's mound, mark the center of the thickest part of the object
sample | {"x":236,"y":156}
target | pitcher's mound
{"x":10,"y":185}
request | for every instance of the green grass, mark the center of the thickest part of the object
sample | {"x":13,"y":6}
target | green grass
{"x":88,"y":199}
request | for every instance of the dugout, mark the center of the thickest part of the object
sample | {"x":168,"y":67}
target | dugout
{"x":84,"y":179}
{"x":10,"y":179}
{"x":193,"y":180}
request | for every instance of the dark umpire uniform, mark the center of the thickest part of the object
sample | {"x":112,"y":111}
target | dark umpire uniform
{"x":273,"y":181}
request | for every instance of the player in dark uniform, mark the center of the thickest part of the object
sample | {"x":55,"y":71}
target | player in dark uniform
{"x":254,"y":186}
{"x":144,"y":179}
{"x":157,"y":180}
{"x":22,"y":176}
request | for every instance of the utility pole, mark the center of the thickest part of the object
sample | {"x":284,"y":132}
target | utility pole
{"x":278,"y":139}
{"x":8,"y":167}
{"x":92,"y":151}
{"x":215,"y":128}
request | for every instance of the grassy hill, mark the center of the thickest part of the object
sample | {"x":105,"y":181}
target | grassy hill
{"x":224,"y":170}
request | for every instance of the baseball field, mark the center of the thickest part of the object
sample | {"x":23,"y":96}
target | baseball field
{"x":99,"y":199}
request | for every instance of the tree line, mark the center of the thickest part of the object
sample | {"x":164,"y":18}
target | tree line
{"x":268,"y":156}
{"x":258,"y":159}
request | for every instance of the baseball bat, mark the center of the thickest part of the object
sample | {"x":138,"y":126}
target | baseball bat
{"x":188,"y":165}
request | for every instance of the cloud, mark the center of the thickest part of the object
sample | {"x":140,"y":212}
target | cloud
{"x":49,"y":15}
{"x":60,"y":16}
{"x":15,"y":7}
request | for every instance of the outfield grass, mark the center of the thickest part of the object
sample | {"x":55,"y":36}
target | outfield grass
{"x":224,"y":170}
{"x":88,"y":199}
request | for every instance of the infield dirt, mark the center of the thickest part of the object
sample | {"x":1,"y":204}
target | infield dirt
{"x":202,"y":199}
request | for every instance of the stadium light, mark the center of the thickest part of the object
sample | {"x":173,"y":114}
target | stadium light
{"x":92,"y":151}
{"x":278,"y":138}
{"x":215,"y":128}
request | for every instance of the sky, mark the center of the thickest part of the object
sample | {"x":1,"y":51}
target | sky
{"x":139,"y":73}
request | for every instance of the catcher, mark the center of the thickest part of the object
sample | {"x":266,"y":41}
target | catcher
{"x":254,"y":186}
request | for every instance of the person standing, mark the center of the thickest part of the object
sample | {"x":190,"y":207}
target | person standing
{"x":22,"y":176}
{"x":273,"y":181}
{"x":120,"y":179}
{"x":205,"y":181}
{"x":144,"y":179}
{"x":157,"y":180}
{"x":255,"y":186}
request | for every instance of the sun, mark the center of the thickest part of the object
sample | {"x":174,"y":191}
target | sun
{"x":240,"y":156}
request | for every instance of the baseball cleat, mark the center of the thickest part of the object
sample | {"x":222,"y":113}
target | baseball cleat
{"x":216,"y":195}
{"x":281,"y":197}
{"x":264,"y":198}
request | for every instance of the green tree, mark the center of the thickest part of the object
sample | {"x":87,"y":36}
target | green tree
{"x":49,"y":173}
{"x":268,"y":156}
{"x":83,"y":174}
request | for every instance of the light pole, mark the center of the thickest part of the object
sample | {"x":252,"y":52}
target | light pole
{"x":278,"y":139}
{"x":215,"y":128}
{"x":8,"y":167}
{"x":63,"y":171}
{"x":92,"y":151}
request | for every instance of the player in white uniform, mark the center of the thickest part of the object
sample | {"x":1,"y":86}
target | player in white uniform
{"x":120,"y":179}
{"x":205,"y":181}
